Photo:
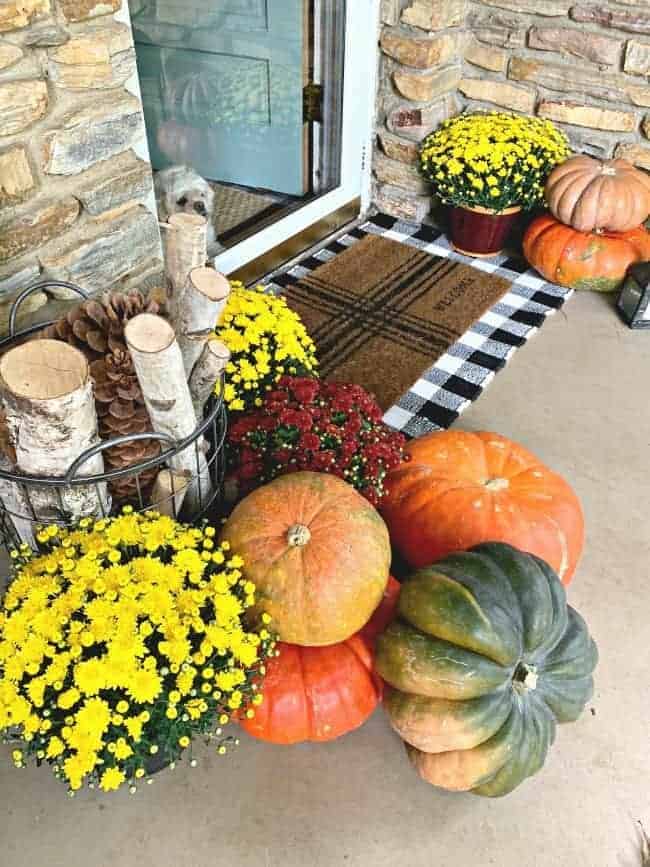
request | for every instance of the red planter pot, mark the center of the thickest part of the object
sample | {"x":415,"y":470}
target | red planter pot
{"x":479,"y":231}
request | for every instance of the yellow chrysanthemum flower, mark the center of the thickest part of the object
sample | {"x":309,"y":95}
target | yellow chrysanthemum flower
{"x":112,"y":779}
{"x":55,"y":747}
{"x":122,"y":749}
{"x":134,"y":726}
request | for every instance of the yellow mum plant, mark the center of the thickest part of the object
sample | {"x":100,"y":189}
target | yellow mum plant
{"x":266,"y":340}
{"x":493,"y":160}
{"x":122,"y":640}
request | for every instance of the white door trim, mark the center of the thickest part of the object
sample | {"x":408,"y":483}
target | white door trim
{"x":359,"y":90}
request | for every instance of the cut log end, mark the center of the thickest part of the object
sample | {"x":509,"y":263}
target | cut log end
{"x":43,"y":370}
{"x":210,"y":283}
{"x":187,"y":221}
{"x":51,"y":421}
{"x":149,"y":333}
{"x":219,"y":349}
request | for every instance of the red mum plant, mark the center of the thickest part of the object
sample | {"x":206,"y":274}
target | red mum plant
{"x":307,"y":424}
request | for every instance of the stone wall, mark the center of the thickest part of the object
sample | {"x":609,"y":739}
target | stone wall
{"x":75,"y":186}
{"x":584,"y":65}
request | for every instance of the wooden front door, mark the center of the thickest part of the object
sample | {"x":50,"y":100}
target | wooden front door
{"x":222,"y":84}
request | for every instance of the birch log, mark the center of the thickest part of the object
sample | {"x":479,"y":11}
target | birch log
{"x":14,"y":501}
{"x":185,"y":240}
{"x":16,"y":506}
{"x":196,"y":310}
{"x":159,"y":367}
{"x":48,"y":401}
{"x":207,"y":370}
{"x":169,"y":491}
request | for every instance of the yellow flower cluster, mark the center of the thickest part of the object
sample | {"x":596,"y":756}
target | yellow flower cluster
{"x":266,"y":340}
{"x":494,"y":160}
{"x":122,"y":639}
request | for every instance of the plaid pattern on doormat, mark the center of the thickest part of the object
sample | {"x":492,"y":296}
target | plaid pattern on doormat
{"x":457,"y":378}
{"x":381,"y":312}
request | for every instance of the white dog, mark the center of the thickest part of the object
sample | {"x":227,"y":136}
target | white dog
{"x":179,"y":189}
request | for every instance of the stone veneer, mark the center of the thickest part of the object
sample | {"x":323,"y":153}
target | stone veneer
{"x":584,"y":65}
{"x":75,"y":197}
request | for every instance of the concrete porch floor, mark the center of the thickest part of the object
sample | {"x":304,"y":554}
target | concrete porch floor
{"x":576,"y":395}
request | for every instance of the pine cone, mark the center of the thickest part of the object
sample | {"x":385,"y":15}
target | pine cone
{"x":120,"y":405}
{"x":121,"y":411}
{"x":97,"y":329}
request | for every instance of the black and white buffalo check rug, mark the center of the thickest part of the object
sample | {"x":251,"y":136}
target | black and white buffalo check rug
{"x":458,"y":377}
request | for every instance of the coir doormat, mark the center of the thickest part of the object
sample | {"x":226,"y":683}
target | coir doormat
{"x":382,"y":312}
{"x":442,"y":392}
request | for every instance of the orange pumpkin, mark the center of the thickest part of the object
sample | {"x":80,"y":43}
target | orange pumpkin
{"x":316,"y":693}
{"x":321,"y":693}
{"x":586,"y":194}
{"x":460,"y":489}
{"x":597,"y":260}
{"x":318,"y":553}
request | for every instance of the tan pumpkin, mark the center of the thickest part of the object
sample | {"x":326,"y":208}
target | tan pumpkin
{"x":317,"y":552}
{"x":586,"y":194}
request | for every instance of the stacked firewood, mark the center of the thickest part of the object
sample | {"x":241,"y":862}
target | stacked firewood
{"x":114,"y":367}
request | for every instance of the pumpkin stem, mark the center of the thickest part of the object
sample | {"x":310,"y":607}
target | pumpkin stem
{"x":525,"y":678}
{"x":497,"y":484}
{"x":298,"y":535}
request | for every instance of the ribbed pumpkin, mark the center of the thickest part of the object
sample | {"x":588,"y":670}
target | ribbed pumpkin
{"x":459,"y":489}
{"x":581,"y":260}
{"x":318,"y":553}
{"x":586,"y":194}
{"x":484,"y":659}
{"x":322,"y":693}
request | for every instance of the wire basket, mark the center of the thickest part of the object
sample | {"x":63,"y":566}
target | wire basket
{"x":206,"y":441}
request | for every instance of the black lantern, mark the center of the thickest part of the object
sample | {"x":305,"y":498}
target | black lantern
{"x":634,"y":300}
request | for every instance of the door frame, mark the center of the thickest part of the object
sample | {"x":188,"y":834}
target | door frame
{"x":359,"y":95}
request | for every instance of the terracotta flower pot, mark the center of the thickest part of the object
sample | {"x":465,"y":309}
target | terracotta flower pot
{"x":479,"y":231}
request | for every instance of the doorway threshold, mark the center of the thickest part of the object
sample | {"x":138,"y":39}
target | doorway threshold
{"x":291,"y":251}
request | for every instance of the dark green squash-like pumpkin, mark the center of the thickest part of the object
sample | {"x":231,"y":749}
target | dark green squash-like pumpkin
{"x":484,"y":659}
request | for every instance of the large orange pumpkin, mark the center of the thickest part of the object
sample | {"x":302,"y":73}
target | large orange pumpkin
{"x":583,"y":260}
{"x":321,"y":693}
{"x":460,"y":489}
{"x":587,"y":193}
{"x":318,"y":553}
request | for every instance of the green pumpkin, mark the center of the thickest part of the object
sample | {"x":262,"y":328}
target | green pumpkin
{"x":484,"y":659}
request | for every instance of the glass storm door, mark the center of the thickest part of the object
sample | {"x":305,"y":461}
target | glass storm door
{"x":271,"y":101}
{"x":222,"y":84}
